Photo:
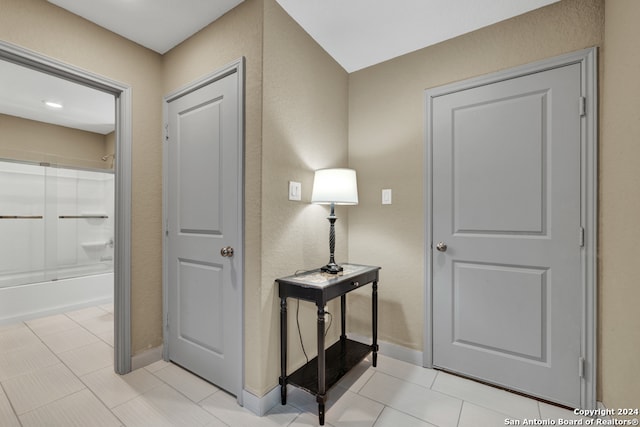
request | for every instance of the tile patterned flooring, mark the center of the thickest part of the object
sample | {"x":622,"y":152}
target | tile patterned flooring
{"x":58,"y":371}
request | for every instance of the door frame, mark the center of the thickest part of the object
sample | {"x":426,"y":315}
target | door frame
{"x":236,"y":66}
{"x":122,"y":245}
{"x":588,"y":60}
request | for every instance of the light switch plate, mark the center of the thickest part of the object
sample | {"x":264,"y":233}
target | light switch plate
{"x":295,"y":191}
{"x":386,"y":196}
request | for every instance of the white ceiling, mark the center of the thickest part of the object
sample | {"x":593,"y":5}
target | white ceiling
{"x":23,"y":90}
{"x":156,"y":24}
{"x":356,"y":33}
{"x":361,"y":33}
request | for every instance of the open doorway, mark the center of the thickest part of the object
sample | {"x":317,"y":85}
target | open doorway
{"x":120,"y":156}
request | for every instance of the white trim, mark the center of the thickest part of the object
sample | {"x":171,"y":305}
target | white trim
{"x":122,"y":251}
{"x":146,"y":358}
{"x":236,"y":66}
{"x":262,"y":405}
{"x":587,"y":58}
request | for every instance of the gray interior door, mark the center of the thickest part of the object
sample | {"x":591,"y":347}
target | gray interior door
{"x":507,"y":285}
{"x":204,"y":189}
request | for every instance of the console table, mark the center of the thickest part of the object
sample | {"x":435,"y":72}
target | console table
{"x":322,"y":372}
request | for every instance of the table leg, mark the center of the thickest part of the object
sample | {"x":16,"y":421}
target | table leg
{"x":343,"y":317}
{"x":321,"y":398}
{"x":283,"y":351}
{"x":374,"y":321}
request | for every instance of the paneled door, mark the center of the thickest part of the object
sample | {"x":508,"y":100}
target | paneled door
{"x":507,"y":286}
{"x":203,"y":237}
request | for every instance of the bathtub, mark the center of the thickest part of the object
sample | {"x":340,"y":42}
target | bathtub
{"x":28,"y":301}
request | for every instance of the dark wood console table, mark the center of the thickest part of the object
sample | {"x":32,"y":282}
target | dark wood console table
{"x":322,"y":372}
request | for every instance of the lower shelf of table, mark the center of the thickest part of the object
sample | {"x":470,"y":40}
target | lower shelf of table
{"x":339,"y":359}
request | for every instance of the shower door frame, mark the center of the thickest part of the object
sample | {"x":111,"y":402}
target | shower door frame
{"x":122,"y":249}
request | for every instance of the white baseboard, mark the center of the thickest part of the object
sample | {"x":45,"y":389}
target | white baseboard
{"x":145,"y":358}
{"x":261,"y":405}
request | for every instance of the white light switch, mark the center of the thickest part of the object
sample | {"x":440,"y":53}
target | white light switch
{"x":386,"y":196}
{"x":295,"y":191}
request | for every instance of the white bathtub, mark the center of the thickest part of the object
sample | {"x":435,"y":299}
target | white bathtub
{"x":18,"y":303}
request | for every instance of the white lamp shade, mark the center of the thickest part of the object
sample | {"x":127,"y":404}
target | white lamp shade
{"x":337,"y":186}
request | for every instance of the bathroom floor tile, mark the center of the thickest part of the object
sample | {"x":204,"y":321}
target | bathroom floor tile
{"x":100,"y":324}
{"x":156,"y":366}
{"x":69,"y":339}
{"x":163,"y":406}
{"x":406,"y":371}
{"x":35,"y":389}
{"x":392,"y":418}
{"x":486,"y":396}
{"x":50,"y":325}
{"x":88,"y":358}
{"x":15,"y":338}
{"x":351,"y":409}
{"x":474,"y":416}
{"x":420,"y":402}
{"x":225,"y":407}
{"x":186,"y":383}
{"x":79,"y":409}
{"x":7,"y":415}
{"x":58,"y":371}
{"x":25,"y":359}
{"x":113,"y":389}
{"x":85,"y":313}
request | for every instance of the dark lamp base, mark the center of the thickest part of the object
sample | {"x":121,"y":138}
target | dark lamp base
{"x":331,"y":268}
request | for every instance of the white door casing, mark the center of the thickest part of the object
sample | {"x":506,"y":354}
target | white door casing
{"x":203,"y":201}
{"x":511,"y":192}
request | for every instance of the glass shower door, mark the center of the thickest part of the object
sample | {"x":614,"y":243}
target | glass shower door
{"x":22,"y":224}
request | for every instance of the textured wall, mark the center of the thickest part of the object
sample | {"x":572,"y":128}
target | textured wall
{"x":52,"y":31}
{"x":304,"y":128}
{"x":32,"y":141}
{"x":386,"y":146}
{"x":620,"y":208}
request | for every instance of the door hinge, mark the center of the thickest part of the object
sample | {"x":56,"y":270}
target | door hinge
{"x":581,"y":367}
{"x":581,"y":236}
{"x":583,"y":106}
{"x":166,"y":132}
{"x":166,"y":325}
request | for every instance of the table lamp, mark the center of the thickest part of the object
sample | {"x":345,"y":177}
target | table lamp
{"x":336,"y":186}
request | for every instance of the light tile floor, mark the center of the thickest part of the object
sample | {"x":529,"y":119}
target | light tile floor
{"x":58,"y":371}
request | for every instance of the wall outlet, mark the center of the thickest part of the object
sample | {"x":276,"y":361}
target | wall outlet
{"x":295,"y":191}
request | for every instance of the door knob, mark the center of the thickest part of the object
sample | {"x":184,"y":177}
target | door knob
{"x":227,"y":252}
{"x":442,"y":247}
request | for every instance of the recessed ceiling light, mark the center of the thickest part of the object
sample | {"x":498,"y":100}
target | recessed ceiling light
{"x":52,"y":104}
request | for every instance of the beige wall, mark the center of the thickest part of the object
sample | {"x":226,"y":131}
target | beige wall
{"x":52,"y":31}
{"x":619,"y":367}
{"x":304,"y":128}
{"x":33,"y":141}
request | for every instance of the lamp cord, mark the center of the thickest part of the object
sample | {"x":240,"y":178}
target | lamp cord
{"x":300,"y":332}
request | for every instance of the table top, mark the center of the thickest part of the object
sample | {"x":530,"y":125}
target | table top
{"x":318,"y":279}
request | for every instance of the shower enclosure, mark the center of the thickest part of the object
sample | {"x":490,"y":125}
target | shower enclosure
{"x":56,"y":238}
